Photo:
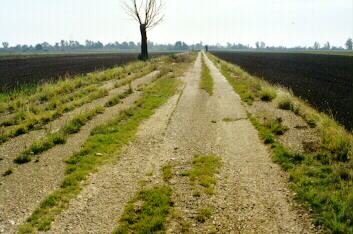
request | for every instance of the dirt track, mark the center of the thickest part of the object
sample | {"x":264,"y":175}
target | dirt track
{"x":251,"y":195}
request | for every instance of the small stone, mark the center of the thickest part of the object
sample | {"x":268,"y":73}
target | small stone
{"x":99,"y":154}
{"x":12,"y":222}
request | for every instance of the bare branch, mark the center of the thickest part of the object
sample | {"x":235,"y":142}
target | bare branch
{"x":152,"y":12}
{"x":132,"y":10}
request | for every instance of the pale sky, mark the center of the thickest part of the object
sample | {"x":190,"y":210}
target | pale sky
{"x":276,"y":22}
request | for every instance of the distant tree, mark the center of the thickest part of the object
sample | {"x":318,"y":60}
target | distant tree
{"x":24,"y":47}
{"x":327,"y":46}
{"x":349,"y":44}
{"x":132,"y":45}
{"x":257,"y":44}
{"x":262,"y":45}
{"x":316,"y":45}
{"x":62,"y":44}
{"x":148,"y":13}
{"x":124,"y":45}
{"x":45,"y":45}
{"x":5,"y":44}
{"x":38,"y":47}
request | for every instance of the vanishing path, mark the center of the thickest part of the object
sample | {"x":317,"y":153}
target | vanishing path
{"x":23,"y":191}
{"x":251,"y":196}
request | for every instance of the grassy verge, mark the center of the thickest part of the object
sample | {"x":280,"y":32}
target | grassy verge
{"x":60,"y":137}
{"x":151,"y":216}
{"x":322,"y":180}
{"x":206,"y":82}
{"x":323,"y":183}
{"x":105,"y":142}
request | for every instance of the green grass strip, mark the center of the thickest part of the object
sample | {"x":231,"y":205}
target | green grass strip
{"x":151,"y":216}
{"x":116,"y":99}
{"x":321,"y":183}
{"x":240,"y":86}
{"x":60,"y":137}
{"x":105,"y":142}
{"x":206,"y":82}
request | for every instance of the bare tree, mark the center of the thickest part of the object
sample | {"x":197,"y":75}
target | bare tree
{"x":148,"y":13}
{"x":316,"y":45}
{"x":349,"y":44}
{"x":5,"y":44}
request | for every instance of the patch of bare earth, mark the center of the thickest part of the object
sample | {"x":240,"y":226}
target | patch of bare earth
{"x":22,"y":191}
{"x":299,"y":137}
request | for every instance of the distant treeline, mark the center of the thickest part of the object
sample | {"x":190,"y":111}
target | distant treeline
{"x":96,"y":45}
{"x":177,"y":46}
{"x":262,"y":46}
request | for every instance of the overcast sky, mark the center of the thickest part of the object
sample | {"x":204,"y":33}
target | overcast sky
{"x":276,"y":22}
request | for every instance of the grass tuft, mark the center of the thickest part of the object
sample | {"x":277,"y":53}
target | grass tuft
{"x":276,"y":127}
{"x":204,"y":214}
{"x":204,"y":169}
{"x":267,"y":94}
{"x":285,"y":102}
{"x":167,"y":172}
{"x":8,"y":172}
{"x":148,"y":212}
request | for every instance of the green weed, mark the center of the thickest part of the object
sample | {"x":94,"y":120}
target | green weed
{"x":204,"y":214}
{"x":229,"y":119}
{"x":276,"y":127}
{"x":285,"y":103}
{"x":149,"y":217}
{"x":167,"y":172}
{"x":204,"y":169}
{"x":8,"y":172}
{"x":267,"y":94}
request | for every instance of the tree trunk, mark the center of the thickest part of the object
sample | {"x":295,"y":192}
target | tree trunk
{"x":144,"y":49}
